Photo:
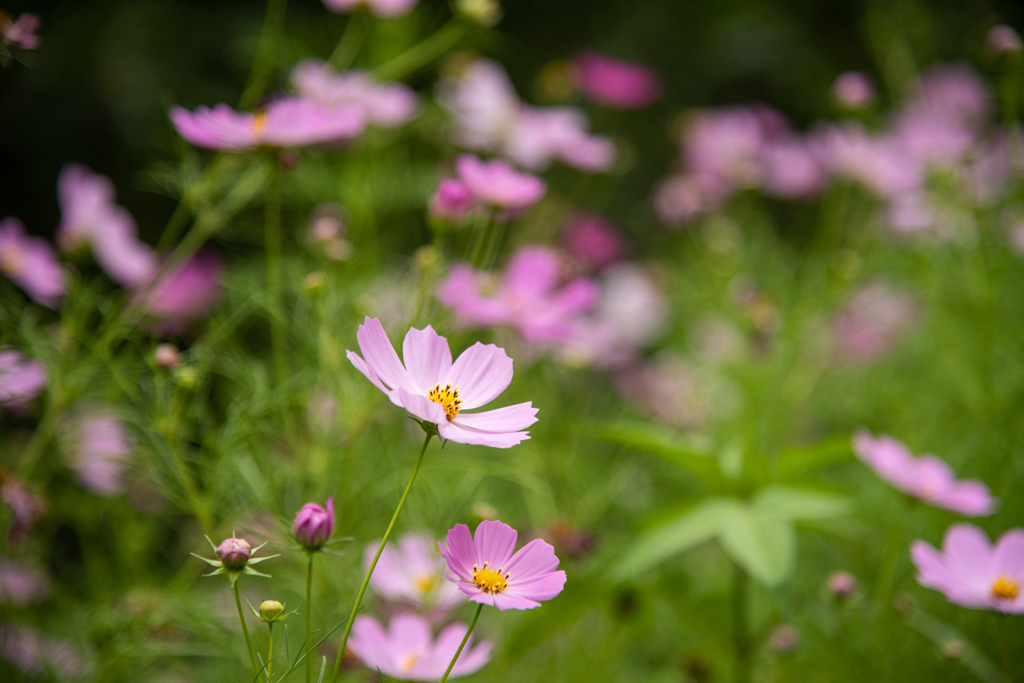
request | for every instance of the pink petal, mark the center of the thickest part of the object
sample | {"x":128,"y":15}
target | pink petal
{"x":968,"y":497}
{"x":533,"y":270}
{"x":543,"y":587}
{"x":535,"y":558}
{"x":932,"y":572}
{"x":495,"y":542}
{"x":411,"y":631}
{"x":427,"y":358}
{"x":485,"y":598}
{"x":481,"y":373}
{"x":968,"y":554}
{"x":474,"y":437}
{"x":1009,"y":554}
{"x":361,"y":366}
{"x":460,"y":553}
{"x":508,"y":600}
{"x":380,"y":355}
{"x":420,"y":406}
{"x":501,"y":420}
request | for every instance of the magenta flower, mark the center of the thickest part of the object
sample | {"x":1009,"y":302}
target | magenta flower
{"x":870,"y":324}
{"x":26,"y":506}
{"x":437,"y":391}
{"x":180,"y":298}
{"x":412,"y":571}
{"x":591,"y":239}
{"x":452,"y":201}
{"x":31,"y":263}
{"x":22,"y":584}
{"x":99,"y":447}
{"x":386,"y":105}
{"x":234,"y":552}
{"x":89,"y":215}
{"x":496,"y":184}
{"x":528,"y":296}
{"x":289,"y":122}
{"x":927,"y":477}
{"x":842,"y":584}
{"x":484,"y":567}
{"x":853,"y":90}
{"x":314,"y":525}
{"x":407,"y":651}
{"x":616,"y":83}
{"x":1002,"y":40}
{"x":972,"y":573}
{"x":382,"y":8}
{"x":21,"y":379}
{"x":21,"y":32}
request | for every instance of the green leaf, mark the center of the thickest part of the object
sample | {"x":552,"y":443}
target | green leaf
{"x":664,"y":444}
{"x":796,"y":462}
{"x":783,"y":502}
{"x":764,"y":545}
{"x":698,"y":524}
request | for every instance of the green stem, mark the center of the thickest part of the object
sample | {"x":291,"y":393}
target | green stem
{"x":380,"y":549}
{"x":270,"y":650}
{"x":478,"y":245}
{"x":40,"y":438}
{"x":309,"y":617}
{"x":352,"y":39}
{"x":422,"y":53}
{"x":245,"y":629}
{"x":494,"y":245}
{"x":890,"y":560}
{"x":740,"y":619}
{"x":272,"y":238}
{"x":260,"y":73}
{"x":458,"y":652}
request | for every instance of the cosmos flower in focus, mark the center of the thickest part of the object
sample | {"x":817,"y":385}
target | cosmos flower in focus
{"x":385,"y":105}
{"x":497,"y":185}
{"x":382,"y":8}
{"x":99,"y":447}
{"x":927,"y":478}
{"x":438,"y":391}
{"x":21,"y":379}
{"x":31,"y":263}
{"x":486,"y":567}
{"x":528,"y":297}
{"x":412,"y":571}
{"x":407,"y":651}
{"x":184,"y":296}
{"x":289,"y":122}
{"x":973,"y":573}
{"x":614,"y":82}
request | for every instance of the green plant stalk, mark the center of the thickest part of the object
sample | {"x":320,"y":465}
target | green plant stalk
{"x":356,"y":30}
{"x":36,"y":446}
{"x":309,"y":617}
{"x":423,"y":53}
{"x":272,"y":239}
{"x":465,"y":640}
{"x":260,"y":72}
{"x":887,"y":570}
{"x":245,"y":629}
{"x":740,"y":620}
{"x":373,"y":564}
{"x":270,"y":650}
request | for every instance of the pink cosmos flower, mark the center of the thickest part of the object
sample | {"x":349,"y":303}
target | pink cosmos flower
{"x":412,"y":571}
{"x":382,"y":8}
{"x":181,"y":298}
{"x":452,"y":201}
{"x":31,"y":263}
{"x":853,"y":90}
{"x":21,"y":32}
{"x":872,"y":321}
{"x":289,"y":122}
{"x":496,"y":184}
{"x":972,"y":573}
{"x":21,"y":379}
{"x":593,"y":240}
{"x":314,"y":525}
{"x":791,"y":169}
{"x":99,"y":447}
{"x":386,"y":105}
{"x":22,"y":584}
{"x":550,"y":133}
{"x":528,"y":296}
{"x":26,"y":506}
{"x":484,"y":567}
{"x":616,"y":83}
{"x":1002,"y":40}
{"x":89,"y":215}
{"x":437,"y":391}
{"x":927,"y":477}
{"x":407,"y":651}
{"x":30,"y":652}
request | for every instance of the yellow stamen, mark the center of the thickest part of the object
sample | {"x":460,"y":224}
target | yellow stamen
{"x":448,"y":398}
{"x":409,"y":662}
{"x":489,"y":580}
{"x":1005,"y":588}
{"x":424,"y":583}
{"x":259,"y":123}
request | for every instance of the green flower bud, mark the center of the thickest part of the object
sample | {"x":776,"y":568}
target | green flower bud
{"x":270,"y":610}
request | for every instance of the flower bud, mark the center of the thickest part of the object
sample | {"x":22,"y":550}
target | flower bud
{"x":313,"y":284}
{"x":486,"y":13}
{"x":451,"y":202}
{"x":270,"y":610}
{"x":234,"y":552}
{"x":314,"y":525}
{"x":167,"y":356}
{"x":784,"y":638}
{"x":853,"y":90}
{"x":842,"y":584}
{"x":1003,"y":40}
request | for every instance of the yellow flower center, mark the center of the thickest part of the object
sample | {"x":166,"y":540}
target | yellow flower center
{"x":424,"y":583}
{"x":12,"y":260}
{"x":409,"y":662}
{"x":448,"y":398}
{"x":489,"y":580}
{"x":1005,"y":588}
{"x":259,"y":123}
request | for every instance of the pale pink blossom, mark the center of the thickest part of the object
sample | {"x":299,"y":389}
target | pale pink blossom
{"x":386,"y":105}
{"x":382,"y":8}
{"x":437,"y":391}
{"x":871,"y":323}
{"x":497,"y":185}
{"x":593,"y":240}
{"x":486,"y":567}
{"x":21,"y":32}
{"x":927,"y":478}
{"x":288,"y":122}
{"x":973,"y":573}
{"x":791,"y":169}
{"x":31,"y":263}
{"x":529,"y":296}
{"x":853,"y":90}
{"x":614,"y":82}
{"x":98,"y":448}
{"x":543,"y":135}
{"x":412,"y":571}
{"x":452,"y":202}
{"x":26,"y":506}
{"x":32,"y":653}
{"x":407,"y":650}
{"x":22,"y":584}
{"x":21,"y":379}
{"x":1002,"y":40}
{"x":184,"y":296}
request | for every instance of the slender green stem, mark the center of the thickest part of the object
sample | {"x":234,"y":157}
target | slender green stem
{"x":465,"y":640}
{"x":245,"y":629}
{"x":270,"y":651}
{"x":309,"y":617}
{"x":494,"y":245}
{"x":890,"y":559}
{"x":40,"y":439}
{"x":373,"y":564}
{"x":740,"y":621}
{"x":478,"y":245}
{"x":422,"y":53}
{"x":261,"y":64}
{"x":352,"y":39}
{"x":272,"y":237}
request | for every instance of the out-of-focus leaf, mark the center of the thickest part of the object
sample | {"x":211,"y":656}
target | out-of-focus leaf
{"x":698,"y":524}
{"x":662,"y":443}
{"x":783,"y":502}
{"x":764,"y":545}
{"x":796,"y":462}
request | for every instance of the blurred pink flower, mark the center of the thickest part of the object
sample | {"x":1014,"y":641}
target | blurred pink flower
{"x":184,"y":296}
{"x":452,"y":201}
{"x":89,"y":215}
{"x":30,"y":652}
{"x":842,"y":584}
{"x":496,"y":184}
{"x":314,"y":525}
{"x":382,"y":8}
{"x":21,"y":379}
{"x":927,"y":478}
{"x":21,"y":584}
{"x":1002,"y":39}
{"x":971,"y":572}
{"x":791,"y":169}
{"x":616,"y":83}
{"x":98,"y":449}
{"x":408,"y":652}
{"x":666,"y":387}
{"x":386,"y":105}
{"x":1017,"y":236}
{"x":872,"y":321}
{"x":486,"y":567}
{"x":289,"y":122}
{"x":31,"y":263}
{"x":528,"y":296}
{"x":592,"y":240}
{"x":543,"y":135}
{"x":26,"y":506}
{"x":21,"y":32}
{"x":412,"y":570}
{"x":853,"y":90}
{"x":437,"y":391}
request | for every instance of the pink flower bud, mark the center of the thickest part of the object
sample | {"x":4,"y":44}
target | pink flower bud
{"x":1002,"y":40}
{"x":314,"y":525}
{"x":167,"y":356}
{"x":451,"y":202}
{"x":234,"y":552}
{"x":853,"y":90}
{"x":842,"y":584}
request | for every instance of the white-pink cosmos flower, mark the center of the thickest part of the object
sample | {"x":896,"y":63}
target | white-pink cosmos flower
{"x":436,"y":390}
{"x":412,"y":571}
